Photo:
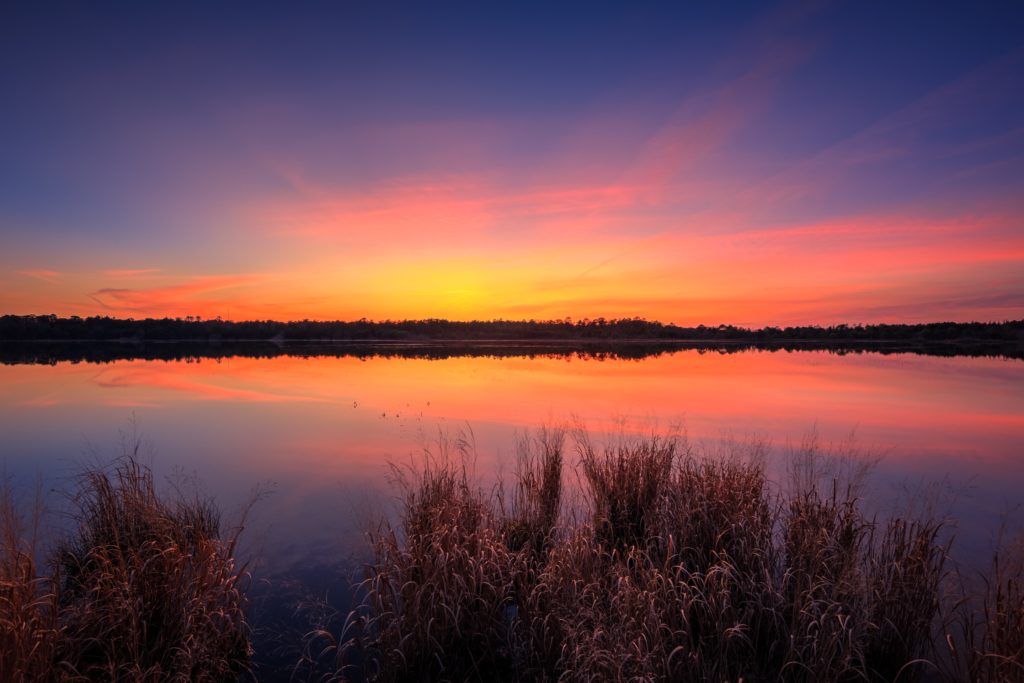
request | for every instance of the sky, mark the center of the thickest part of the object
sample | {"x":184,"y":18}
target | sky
{"x":694,"y":163}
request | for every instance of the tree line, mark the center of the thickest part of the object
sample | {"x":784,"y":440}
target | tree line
{"x":52,"y":353}
{"x":194,"y":328}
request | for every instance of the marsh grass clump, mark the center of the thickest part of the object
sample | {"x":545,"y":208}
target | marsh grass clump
{"x":149,"y":589}
{"x":117,"y":511}
{"x":904,"y":578}
{"x":718,"y":506}
{"x":142,"y":587}
{"x":986,"y":622}
{"x":443,"y":492}
{"x":685,"y":563}
{"x":28,"y":610}
{"x":530,"y":518}
{"x":627,"y":483}
{"x":438,"y":599}
{"x":687,"y":598}
{"x":826,"y":604}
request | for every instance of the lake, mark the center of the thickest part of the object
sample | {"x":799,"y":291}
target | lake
{"x":317,"y":425}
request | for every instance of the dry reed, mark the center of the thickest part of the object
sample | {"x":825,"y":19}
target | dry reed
{"x":685,"y":565}
{"x":28,"y":610}
{"x":141,"y":589}
{"x":986,"y":624}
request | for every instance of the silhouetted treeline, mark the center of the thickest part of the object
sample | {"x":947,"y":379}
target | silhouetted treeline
{"x":51,"y":353}
{"x":50,"y":327}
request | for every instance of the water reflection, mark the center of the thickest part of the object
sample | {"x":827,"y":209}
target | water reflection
{"x":319,"y":421}
{"x":50,"y":353}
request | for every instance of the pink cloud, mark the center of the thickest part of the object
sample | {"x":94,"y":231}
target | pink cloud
{"x":129,"y":273}
{"x":45,"y":275}
{"x":173,"y":299}
{"x":595,"y":183}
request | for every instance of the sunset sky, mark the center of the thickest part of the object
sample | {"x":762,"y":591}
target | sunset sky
{"x":696,"y":163}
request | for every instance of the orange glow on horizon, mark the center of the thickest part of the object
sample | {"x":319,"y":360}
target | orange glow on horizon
{"x":875,"y":270}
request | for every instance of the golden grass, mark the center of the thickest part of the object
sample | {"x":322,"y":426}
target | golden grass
{"x":143,"y":589}
{"x":986,"y":625}
{"x":28,"y":610}
{"x":685,"y":564}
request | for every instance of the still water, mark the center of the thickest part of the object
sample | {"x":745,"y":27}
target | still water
{"x":319,"y":428}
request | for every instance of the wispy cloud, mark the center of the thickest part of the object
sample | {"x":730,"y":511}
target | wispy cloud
{"x":129,"y":273}
{"x":45,"y":275}
{"x":178,"y":299}
{"x":598,"y":181}
{"x":926,"y":149}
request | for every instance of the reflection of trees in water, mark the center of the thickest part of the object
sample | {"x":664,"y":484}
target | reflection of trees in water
{"x":51,"y":353}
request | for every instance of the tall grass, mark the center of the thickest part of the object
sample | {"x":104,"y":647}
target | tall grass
{"x":627,"y":484}
{"x":142,"y":588}
{"x":441,"y":586}
{"x":986,"y":624}
{"x":685,"y":564}
{"x":530,"y":518}
{"x":28,"y":611}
